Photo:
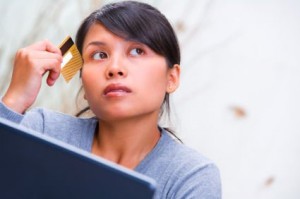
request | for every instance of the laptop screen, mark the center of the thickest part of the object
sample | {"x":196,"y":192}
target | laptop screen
{"x":36,"y":166}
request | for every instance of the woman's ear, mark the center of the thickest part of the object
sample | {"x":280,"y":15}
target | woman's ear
{"x":173,"y":78}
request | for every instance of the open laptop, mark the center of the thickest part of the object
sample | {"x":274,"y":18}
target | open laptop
{"x":39,"y":167}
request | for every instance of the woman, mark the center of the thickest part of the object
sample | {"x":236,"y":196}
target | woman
{"x":131,"y":65}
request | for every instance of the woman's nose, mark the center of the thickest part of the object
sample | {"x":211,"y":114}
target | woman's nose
{"x":116,"y":68}
{"x":115,"y":73}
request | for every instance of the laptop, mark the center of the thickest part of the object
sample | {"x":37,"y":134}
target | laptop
{"x":36,"y":166}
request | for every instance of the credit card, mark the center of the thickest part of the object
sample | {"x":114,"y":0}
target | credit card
{"x":72,"y":60}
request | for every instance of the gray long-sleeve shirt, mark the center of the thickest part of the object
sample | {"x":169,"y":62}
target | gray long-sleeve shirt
{"x":180,"y":172}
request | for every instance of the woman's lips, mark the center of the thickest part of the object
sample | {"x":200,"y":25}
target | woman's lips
{"x":116,"y":90}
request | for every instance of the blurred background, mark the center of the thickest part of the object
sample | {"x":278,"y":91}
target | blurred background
{"x":239,"y":98}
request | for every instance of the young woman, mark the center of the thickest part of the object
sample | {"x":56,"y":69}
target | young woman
{"x":131,"y":65}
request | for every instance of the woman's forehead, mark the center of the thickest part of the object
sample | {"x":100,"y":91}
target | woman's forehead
{"x":99,"y":34}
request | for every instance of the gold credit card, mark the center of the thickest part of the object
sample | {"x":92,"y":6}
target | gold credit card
{"x":72,"y":60}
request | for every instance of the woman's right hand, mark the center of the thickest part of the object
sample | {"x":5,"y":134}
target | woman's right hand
{"x":30,"y":64}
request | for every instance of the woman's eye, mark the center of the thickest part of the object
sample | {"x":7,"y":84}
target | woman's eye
{"x":99,"y":55}
{"x":136,"y":52}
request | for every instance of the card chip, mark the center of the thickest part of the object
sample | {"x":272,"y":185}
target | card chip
{"x":72,"y":60}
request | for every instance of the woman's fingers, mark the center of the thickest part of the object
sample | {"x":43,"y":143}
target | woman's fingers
{"x":31,"y":63}
{"x":38,"y":59}
{"x":45,"y":46}
{"x":52,"y":77}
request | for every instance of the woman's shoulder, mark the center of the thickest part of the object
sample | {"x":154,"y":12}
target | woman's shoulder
{"x":67,"y":128}
{"x":191,"y":173}
{"x":187,"y":161}
{"x":54,"y":115}
{"x":64,"y":127}
{"x":182,"y":153}
{"x":171,"y":152}
{"x":181,"y":171}
{"x":52,"y":118}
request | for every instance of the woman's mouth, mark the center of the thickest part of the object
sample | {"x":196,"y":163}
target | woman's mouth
{"x":116,"y":90}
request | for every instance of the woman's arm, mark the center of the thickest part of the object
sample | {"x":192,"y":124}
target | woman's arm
{"x":30,"y":64}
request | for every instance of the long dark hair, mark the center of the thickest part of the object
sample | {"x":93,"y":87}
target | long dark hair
{"x":139,"y":22}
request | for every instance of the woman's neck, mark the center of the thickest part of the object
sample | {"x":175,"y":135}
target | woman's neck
{"x":126,"y":142}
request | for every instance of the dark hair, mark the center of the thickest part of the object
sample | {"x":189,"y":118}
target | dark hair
{"x":139,"y":22}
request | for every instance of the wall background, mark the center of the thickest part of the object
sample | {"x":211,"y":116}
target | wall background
{"x":239,"y":99}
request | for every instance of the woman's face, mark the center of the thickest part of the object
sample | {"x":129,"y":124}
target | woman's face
{"x":123,"y":79}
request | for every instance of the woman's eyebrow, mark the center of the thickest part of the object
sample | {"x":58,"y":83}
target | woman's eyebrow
{"x":95,"y":43}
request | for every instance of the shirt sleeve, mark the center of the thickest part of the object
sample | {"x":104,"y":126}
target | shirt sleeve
{"x":9,"y":114}
{"x":32,"y":119}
